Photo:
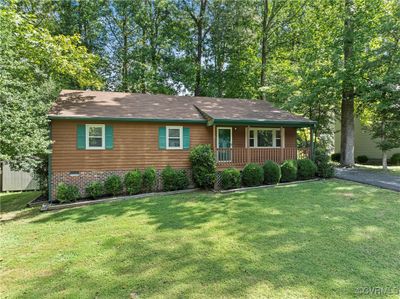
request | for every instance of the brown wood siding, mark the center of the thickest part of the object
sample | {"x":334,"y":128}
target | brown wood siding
{"x":290,"y":137}
{"x":135,"y":146}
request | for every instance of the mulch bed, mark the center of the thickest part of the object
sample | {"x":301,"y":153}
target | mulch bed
{"x":41,"y":199}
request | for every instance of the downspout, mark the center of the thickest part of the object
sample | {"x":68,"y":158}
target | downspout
{"x":49,"y":174}
{"x":312,"y":142}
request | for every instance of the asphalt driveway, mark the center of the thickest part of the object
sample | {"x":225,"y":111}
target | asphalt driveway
{"x":378,"y":179}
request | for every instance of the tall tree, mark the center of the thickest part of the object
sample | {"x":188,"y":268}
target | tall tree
{"x":33,"y":66}
{"x":380,"y":96}
{"x":347,"y":106}
{"x":198,"y":11}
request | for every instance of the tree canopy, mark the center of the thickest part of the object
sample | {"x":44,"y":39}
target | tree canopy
{"x":314,"y":58}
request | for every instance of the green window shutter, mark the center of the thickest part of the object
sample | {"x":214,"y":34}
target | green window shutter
{"x":109,"y":137}
{"x":186,"y":138}
{"x":162,"y":138}
{"x":81,"y":137}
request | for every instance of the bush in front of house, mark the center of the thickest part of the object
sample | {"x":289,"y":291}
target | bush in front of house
{"x":335,"y":157}
{"x":252,"y":175}
{"x":133,"y":181}
{"x":113,"y":185}
{"x":174,"y":179}
{"x":325,"y":168}
{"x":94,"y":189}
{"x":272,"y":172}
{"x":203,"y":166}
{"x":395,"y":159}
{"x":67,"y":193}
{"x":230,"y":178}
{"x":149,"y":179}
{"x":306,"y":169}
{"x":362,"y":159}
{"x":182,"y":179}
{"x":289,"y":171}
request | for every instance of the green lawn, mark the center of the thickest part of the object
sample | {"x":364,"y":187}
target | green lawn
{"x":318,"y":239}
{"x":15,"y":201}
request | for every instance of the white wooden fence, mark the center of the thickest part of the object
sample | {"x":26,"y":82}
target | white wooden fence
{"x":16,"y":180}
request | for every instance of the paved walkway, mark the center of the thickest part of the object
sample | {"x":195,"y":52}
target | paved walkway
{"x":379,"y":179}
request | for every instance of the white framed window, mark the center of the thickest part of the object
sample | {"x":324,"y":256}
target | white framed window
{"x":265,"y":137}
{"x":174,"y":137}
{"x":95,"y":136}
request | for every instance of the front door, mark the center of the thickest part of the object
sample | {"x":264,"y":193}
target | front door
{"x":224,"y":137}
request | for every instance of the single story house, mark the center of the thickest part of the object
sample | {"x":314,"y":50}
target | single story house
{"x":96,"y":134}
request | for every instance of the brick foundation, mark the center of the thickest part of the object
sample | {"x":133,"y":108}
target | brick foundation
{"x":82,"y":178}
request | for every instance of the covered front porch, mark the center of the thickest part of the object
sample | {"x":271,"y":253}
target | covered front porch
{"x":236,"y":145}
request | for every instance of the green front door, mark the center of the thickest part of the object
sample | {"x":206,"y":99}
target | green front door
{"x":224,"y":144}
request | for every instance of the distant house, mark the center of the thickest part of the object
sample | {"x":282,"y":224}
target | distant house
{"x":96,"y":134}
{"x":363,"y":142}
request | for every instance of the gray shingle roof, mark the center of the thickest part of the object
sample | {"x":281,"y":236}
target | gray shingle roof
{"x":118,"y":105}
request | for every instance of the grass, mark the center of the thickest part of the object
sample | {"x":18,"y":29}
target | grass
{"x":318,"y":239}
{"x":15,"y":201}
{"x":378,"y":168}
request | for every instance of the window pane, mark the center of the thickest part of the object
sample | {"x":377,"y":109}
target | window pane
{"x":264,"y":138}
{"x":251,"y":134}
{"x":95,"y":142}
{"x":173,"y":132}
{"x":173,"y":142}
{"x":95,"y":131}
{"x":278,"y":138}
{"x":251,"y":142}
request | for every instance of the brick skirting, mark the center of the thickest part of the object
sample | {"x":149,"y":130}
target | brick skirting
{"x":82,"y":178}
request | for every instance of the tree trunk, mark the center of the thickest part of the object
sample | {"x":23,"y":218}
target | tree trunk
{"x":264,"y":49}
{"x":384,"y":152}
{"x":124,"y":56}
{"x":347,"y":115}
{"x":200,"y":40}
{"x":384,"y":160}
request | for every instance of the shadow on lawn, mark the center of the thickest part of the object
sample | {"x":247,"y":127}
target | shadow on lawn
{"x":240,"y":244}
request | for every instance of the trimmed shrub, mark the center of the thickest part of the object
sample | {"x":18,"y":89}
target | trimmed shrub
{"x":362,"y":159}
{"x":203,"y":166}
{"x":174,"y":179}
{"x":182,"y":179}
{"x":67,"y":193}
{"x":272,"y":172}
{"x":94,"y":189}
{"x":335,"y":157}
{"x":289,"y":171}
{"x":133,"y":181}
{"x":169,"y":179}
{"x":113,"y":185}
{"x":325,"y":168}
{"x":395,"y":159}
{"x":149,"y":179}
{"x":230,"y":178}
{"x":252,"y":175}
{"x":306,"y":169}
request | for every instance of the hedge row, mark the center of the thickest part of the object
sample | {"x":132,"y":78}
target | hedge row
{"x":133,"y":182}
{"x":362,"y":159}
{"x":273,"y":173}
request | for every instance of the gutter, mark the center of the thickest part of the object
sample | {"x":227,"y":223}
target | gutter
{"x":277,"y":123}
{"x":127,"y":119}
